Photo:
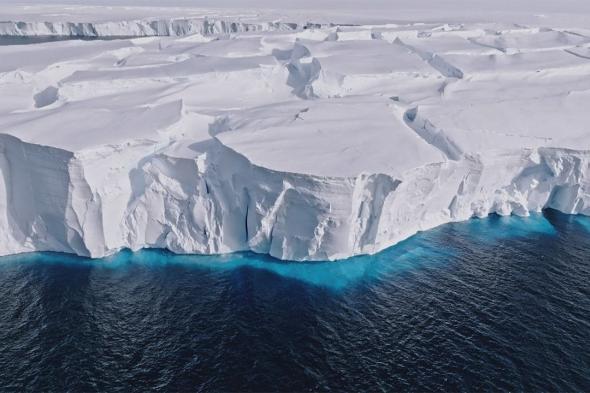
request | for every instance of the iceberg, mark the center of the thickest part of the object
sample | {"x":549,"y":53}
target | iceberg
{"x":300,"y":140}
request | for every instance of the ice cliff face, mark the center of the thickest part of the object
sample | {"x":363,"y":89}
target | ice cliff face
{"x":305,"y":145}
{"x":220,"y":202}
{"x":142,"y":28}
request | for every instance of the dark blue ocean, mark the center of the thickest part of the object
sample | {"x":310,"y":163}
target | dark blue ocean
{"x":499,"y":304}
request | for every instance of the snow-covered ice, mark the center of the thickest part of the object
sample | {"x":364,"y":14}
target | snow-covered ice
{"x":204,"y":131}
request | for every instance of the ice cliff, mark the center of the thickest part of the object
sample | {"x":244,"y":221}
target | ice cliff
{"x":142,"y":28}
{"x":305,"y":144}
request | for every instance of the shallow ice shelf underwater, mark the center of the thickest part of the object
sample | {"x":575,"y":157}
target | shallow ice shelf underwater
{"x":429,"y":249}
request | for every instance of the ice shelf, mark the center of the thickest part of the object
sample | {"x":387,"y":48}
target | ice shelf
{"x":203,"y":132}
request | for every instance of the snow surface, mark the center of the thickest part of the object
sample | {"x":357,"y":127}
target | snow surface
{"x":208,"y":131}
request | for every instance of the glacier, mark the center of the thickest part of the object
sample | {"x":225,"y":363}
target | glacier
{"x":302,"y":139}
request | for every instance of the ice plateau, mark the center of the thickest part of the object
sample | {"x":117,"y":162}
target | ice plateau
{"x":205,"y":132}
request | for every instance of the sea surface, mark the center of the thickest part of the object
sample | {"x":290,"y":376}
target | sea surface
{"x":498,"y":304}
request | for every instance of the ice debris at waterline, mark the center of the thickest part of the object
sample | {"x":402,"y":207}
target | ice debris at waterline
{"x":313,"y":143}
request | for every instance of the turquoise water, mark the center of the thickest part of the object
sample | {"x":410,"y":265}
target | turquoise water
{"x":496,"y":304}
{"x":410,"y":255}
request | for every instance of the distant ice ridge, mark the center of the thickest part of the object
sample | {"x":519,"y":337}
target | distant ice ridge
{"x":141,"y":28}
{"x":305,"y":144}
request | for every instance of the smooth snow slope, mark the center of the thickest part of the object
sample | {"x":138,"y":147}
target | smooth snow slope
{"x":217,"y":131}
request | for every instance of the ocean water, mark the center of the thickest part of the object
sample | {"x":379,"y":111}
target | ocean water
{"x":499,"y":304}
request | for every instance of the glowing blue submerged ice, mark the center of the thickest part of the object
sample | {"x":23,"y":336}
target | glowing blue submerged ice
{"x":497,"y":227}
{"x":583,"y":221}
{"x":426,"y":250}
{"x":334,"y":275}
